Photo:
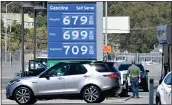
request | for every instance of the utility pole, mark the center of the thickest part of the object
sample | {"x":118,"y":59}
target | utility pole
{"x":171,"y":42}
{"x":6,"y":28}
{"x":105,"y":54}
{"x":22,"y":37}
{"x":6,"y":37}
{"x":106,"y":23}
{"x":170,"y":29}
{"x":34,"y":52}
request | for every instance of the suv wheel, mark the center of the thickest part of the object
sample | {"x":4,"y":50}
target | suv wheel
{"x":92,"y":94}
{"x":23,"y":96}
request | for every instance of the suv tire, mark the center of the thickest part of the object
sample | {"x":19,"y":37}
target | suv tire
{"x":92,"y":91}
{"x":23,"y":96}
{"x":101,"y":99}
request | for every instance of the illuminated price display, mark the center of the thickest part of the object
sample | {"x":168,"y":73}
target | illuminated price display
{"x":72,"y":34}
{"x":71,"y":50}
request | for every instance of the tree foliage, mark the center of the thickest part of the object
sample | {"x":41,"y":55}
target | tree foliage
{"x":144,"y":18}
{"x":14,"y":37}
{"x":15,"y":7}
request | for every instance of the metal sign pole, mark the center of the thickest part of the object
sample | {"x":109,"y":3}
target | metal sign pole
{"x":100,"y":35}
{"x":22,"y":37}
{"x":34,"y":51}
{"x":106,"y":23}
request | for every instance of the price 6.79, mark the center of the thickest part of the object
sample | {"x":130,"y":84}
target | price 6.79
{"x":75,"y":50}
{"x":78,"y":20}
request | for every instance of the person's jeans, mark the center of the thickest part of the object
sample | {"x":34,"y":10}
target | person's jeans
{"x":135,"y":86}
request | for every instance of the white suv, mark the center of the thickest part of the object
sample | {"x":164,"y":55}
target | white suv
{"x":164,"y":91}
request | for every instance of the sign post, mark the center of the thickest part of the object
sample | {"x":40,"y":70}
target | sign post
{"x":161,"y":34}
{"x":72,"y":31}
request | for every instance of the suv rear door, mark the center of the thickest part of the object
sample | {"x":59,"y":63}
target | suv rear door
{"x":76,"y":77}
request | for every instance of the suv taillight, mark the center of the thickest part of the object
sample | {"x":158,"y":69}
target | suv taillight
{"x":112,"y":75}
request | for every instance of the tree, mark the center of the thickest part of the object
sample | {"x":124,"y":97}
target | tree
{"x":2,"y":35}
{"x":2,"y":26}
{"x":144,"y":18}
{"x":15,"y":36}
{"x":42,"y":38}
{"x":16,"y":6}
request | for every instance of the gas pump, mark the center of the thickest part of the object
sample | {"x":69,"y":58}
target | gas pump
{"x":165,"y":39}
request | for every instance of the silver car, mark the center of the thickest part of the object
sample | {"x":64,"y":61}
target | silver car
{"x":92,"y":82}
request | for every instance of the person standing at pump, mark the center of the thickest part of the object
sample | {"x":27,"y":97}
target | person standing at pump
{"x":134,"y":73}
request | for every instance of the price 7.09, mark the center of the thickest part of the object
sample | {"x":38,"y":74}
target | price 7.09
{"x":75,"y":50}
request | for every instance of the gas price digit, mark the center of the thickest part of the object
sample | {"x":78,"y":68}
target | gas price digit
{"x":84,"y":49}
{"x":67,"y":49}
{"x":75,"y":19}
{"x":75,"y":34}
{"x":83,"y":19}
{"x":84,"y":34}
{"x":66,"y":20}
{"x":66,"y":35}
{"x":75,"y":49}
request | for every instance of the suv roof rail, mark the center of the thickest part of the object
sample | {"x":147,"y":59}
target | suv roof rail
{"x":92,"y":62}
{"x":75,"y":61}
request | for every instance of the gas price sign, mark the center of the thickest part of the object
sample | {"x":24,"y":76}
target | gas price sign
{"x":72,"y":31}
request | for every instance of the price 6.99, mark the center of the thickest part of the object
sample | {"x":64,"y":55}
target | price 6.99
{"x":76,"y":49}
{"x":75,"y":35}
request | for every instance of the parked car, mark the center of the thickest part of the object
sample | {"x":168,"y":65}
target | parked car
{"x":92,"y":82}
{"x":40,"y":66}
{"x":125,"y":81}
{"x":164,"y":91}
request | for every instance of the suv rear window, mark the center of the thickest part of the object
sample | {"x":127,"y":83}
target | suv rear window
{"x":126,"y":66}
{"x":107,"y":67}
{"x":101,"y":68}
{"x":112,"y":68}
